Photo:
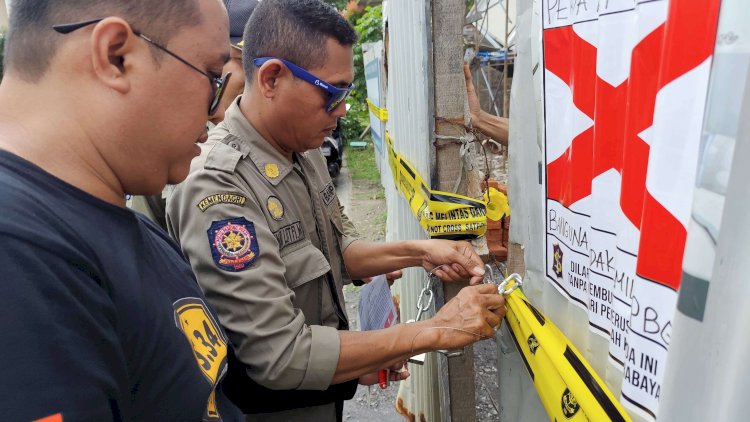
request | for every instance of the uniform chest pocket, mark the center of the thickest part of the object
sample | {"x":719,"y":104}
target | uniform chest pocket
{"x":304,"y":264}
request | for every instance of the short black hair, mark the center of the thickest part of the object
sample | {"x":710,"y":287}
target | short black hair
{"x":295,"y":30}
{"x":31,"y":42}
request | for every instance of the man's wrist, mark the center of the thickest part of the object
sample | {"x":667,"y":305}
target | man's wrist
{"x":415,"y":250}
{"x":479,"y":121}
{"x":424,"y":337}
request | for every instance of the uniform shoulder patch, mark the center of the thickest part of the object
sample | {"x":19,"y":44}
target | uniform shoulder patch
{"x":233,"y":244}
{"x":221,"y":198}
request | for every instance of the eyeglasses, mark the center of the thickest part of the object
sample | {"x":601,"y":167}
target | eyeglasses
{"x":217,"y":84}
{"x":337,"y":95}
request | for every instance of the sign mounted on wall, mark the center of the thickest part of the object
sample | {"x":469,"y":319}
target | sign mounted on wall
{"x":625,"y":86}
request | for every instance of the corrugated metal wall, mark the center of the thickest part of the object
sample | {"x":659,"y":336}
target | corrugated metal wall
{"x":409,"y":106}
{"x":519,"y":400}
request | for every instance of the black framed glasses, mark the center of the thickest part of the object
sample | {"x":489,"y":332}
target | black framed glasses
{"x":217,"y":84}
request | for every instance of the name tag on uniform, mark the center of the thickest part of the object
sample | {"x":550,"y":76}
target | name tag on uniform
{"x":328,"y":193}
{"x":221,"y":198}
{"x":289,"y":235}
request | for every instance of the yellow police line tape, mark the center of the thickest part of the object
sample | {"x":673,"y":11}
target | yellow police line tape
{"x":380,"y":113}
{"x":568,"y":387}
{"x":444,"y":215}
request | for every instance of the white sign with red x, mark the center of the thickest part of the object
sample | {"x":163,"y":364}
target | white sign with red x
{"x":625,"y":85}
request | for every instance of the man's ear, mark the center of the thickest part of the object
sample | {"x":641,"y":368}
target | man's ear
{"x":112,"y":45}
{"x":268,"y":77}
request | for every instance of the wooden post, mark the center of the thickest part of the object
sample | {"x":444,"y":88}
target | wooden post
{"x":450,"y":91}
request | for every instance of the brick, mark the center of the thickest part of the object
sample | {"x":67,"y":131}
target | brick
{"x":494,"y":225}
{"x":498,"y":252}
{"x":494,"y":236}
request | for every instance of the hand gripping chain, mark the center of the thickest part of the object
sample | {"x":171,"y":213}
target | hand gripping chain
{"x":424,"y":302}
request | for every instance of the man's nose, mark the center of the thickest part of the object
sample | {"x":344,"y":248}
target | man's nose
{"x":340,"y":110}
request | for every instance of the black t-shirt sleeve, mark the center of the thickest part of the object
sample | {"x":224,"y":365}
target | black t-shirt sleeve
{"x":60,"y":351}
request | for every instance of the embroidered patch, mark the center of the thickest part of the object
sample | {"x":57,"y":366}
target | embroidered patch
{"x":272,"y":170}
{"x":233,"y":244}
{"x":221,"y":198}
{"x":290,"y":234}
{"x":328,"y":193}
{"x":275,"y":208}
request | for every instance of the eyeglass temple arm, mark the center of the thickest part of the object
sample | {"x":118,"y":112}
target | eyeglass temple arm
{"x":150,"y":41}
{"x":70,"y":27}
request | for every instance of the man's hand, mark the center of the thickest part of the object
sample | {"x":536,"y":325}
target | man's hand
{"x":397,"y":372}
{"x":475,"y":110}
{"x":457,"y":261}
{"x":390,"y":277}
{"x":493,"y":126}
{"x":473,"y":314}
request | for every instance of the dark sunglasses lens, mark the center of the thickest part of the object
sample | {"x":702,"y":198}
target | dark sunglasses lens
{"x":219,"y":92}
{"x":337,"y":99}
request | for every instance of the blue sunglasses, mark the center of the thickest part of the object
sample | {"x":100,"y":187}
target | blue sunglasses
{"x":337,"y":95}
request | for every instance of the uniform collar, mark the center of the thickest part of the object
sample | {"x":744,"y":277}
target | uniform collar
{"x":270,"y":162}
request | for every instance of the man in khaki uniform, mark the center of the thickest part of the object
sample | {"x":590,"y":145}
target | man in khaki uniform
{"x":261,"y":224}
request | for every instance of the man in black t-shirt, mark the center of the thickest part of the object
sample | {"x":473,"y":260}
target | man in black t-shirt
{"x":100,"y":315}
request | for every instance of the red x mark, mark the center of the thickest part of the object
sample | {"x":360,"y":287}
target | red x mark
{"x":620,"y":113}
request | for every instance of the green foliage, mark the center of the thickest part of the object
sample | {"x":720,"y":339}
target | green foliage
{"x":361,"y":163}
{"x":369,"y":27}
{"x":355,"y":122}
{"x":338,"y":4}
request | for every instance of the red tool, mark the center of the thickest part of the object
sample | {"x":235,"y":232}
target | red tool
{"x":383,"y":378}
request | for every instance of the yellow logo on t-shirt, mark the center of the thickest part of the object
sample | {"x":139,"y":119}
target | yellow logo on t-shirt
{"x":207,"y":340}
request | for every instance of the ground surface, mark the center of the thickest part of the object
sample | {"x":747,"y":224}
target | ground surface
{"x":365,"y":205}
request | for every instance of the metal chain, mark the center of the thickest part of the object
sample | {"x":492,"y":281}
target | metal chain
{"x":424,"y":302}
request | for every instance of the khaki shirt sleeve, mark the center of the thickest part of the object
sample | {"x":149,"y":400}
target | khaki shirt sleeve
{"x":350,"y":231}
{"x":254,"y":304}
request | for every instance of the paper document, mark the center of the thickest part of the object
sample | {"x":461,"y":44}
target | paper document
{"x":376,"y":309}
